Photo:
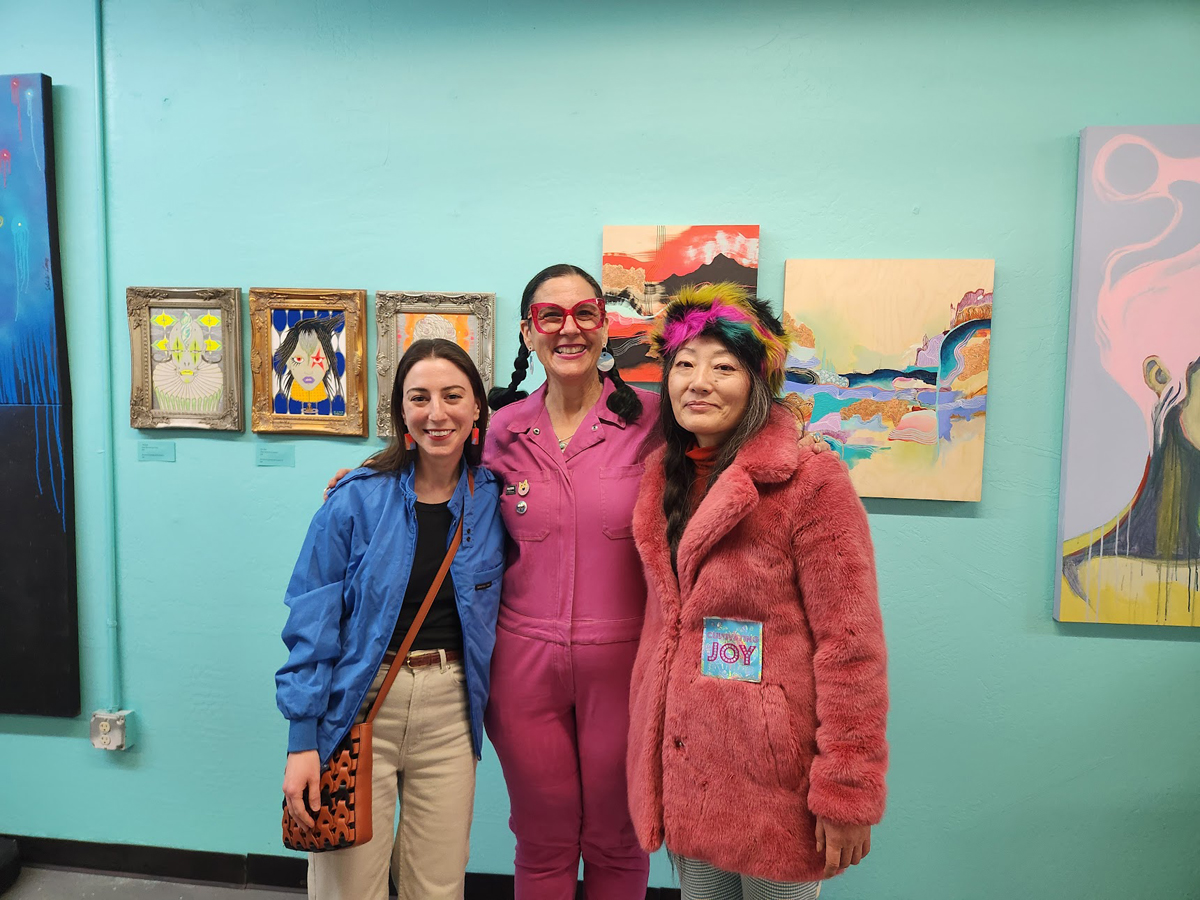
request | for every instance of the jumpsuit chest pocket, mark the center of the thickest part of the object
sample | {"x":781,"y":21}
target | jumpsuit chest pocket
{"x":618,"y":494}
{"x":527,"y":505}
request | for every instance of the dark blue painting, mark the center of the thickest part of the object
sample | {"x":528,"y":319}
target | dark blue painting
{"x":39,"y":644}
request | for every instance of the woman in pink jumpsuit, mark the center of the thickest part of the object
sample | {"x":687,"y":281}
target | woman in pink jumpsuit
{"x":570,"y":456}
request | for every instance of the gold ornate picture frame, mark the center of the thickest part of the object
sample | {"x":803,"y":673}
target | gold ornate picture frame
{"x":307,"y":361}
{"x":402,"y":317}
{"x":185,"y":348}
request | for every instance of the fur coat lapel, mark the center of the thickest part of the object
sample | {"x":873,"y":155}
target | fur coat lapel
{"x":770,"y":457}
{"x":727,"y":502}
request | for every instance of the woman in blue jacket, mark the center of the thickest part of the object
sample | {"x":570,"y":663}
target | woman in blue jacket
{"x":368,"y":561}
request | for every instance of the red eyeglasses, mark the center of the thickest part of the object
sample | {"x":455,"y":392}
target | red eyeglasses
{"x":549,"y":318}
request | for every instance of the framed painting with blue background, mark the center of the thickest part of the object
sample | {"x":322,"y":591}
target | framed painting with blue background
{"x":306,"y":361}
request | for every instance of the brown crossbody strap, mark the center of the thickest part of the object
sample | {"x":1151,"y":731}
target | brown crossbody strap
{"x":398,"y":662}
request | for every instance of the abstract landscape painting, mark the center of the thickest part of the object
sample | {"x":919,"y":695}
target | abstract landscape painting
{"x":1129,"y":501}
{"x":643,"y":265}
{"x":891,"y":360}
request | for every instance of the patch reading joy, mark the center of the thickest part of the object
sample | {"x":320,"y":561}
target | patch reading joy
{"x":732,"y":649}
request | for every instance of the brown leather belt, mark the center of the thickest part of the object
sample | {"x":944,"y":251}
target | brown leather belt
{"x":418,"y":658}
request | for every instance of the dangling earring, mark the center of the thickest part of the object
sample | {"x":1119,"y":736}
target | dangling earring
{"x":409,"y":443}
{"x":606,"y":362}
{"x":475,"y":435}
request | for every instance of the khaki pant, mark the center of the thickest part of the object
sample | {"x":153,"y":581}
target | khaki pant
{"x":422,"y":753}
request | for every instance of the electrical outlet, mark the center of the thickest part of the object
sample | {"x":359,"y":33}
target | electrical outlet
{"x":110,"y":730}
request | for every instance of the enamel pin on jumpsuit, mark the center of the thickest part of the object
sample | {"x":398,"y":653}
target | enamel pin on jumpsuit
{"x":571,"y":613}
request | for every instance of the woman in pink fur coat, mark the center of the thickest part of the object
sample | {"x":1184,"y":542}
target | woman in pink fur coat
{"x":756,"y":749}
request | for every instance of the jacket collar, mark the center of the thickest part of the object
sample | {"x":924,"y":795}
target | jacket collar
{"x":482,"y":476}
{"x":529,"y":411}
{"x":770,"y":457}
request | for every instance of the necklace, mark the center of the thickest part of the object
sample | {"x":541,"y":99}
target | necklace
{"x":579,"y":420}
{"x":562,"y":444}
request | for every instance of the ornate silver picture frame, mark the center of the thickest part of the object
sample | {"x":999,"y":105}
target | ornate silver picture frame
{"x":185,"y":357}
{"x":402,"y":317}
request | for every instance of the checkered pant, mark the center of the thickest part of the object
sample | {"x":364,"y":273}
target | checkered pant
{"x":700,"y":881}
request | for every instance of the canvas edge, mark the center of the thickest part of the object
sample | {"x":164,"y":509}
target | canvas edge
{"x":73,"y":706}
{"x":1073,"y":330}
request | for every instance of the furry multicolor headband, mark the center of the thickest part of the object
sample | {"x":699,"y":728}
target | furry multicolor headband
{"x":732,"y":315}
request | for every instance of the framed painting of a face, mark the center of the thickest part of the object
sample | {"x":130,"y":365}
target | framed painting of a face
{"x":403,"y":317}
{"x":306,"y":359}
{"x":185,"y":358}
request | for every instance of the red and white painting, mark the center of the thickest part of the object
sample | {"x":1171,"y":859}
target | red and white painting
{"x":644,"y":265}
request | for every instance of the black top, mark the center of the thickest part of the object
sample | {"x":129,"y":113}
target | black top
{"x":442,"y":629}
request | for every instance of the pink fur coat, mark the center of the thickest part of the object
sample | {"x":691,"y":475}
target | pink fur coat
{"x":735,"y":772}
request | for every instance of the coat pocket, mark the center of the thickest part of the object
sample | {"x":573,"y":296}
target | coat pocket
{"x":782,"y":741}
{"x":484,"y":596}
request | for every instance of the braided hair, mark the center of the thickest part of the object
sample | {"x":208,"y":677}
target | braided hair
{"x":623,"y":401}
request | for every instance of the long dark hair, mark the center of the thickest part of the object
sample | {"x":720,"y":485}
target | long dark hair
{"x":397,"y":457}
{"x":679,"y":470}
{"x":324,"y":330}
{"x":623,"y":401}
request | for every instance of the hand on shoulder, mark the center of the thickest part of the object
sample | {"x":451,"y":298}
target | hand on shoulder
{"x":813,"y":441}
{"x":801,"y":408}
{"x":338,"y":476}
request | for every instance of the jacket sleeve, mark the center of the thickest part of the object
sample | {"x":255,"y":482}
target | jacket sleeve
{"x":312,"y":632}
{"x":838,"y":589}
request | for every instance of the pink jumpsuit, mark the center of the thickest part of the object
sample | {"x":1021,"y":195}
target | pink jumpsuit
{"x":570,"y":616}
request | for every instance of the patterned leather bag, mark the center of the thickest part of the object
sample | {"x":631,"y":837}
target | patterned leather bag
{"x":344,"y":818}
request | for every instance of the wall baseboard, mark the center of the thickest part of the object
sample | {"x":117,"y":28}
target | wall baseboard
{"x":223,"y":868}
{"x":10,"y":864}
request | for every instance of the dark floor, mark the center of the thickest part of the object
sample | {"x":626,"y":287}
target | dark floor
{"x":67,"y":884}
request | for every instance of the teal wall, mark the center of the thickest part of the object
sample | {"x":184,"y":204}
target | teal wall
{"x":437,"y":146}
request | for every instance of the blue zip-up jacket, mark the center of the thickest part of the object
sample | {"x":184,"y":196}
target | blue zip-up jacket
{"x":347,"y":588}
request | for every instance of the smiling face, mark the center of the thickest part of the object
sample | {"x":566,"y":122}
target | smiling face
{"x":571,"y":354}
{"x":307,"y":362}
{"x":439,"y":408}
{"x":709,"y":389}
